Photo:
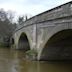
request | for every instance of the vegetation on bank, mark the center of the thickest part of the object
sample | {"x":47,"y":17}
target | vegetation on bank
{"x":1,"y":45}
{"x":31,"y":55}
{"x":4,"y":45}
{"x":8,"y":24}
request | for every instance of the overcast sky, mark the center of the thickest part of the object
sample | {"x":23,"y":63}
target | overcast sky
{"x":31,"y":7}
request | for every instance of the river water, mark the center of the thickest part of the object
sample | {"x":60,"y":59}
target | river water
{"x":14,"y":61}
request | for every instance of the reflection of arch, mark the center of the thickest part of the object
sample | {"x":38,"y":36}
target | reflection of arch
{"x":23,"y":42}
{"x":59,"y":46}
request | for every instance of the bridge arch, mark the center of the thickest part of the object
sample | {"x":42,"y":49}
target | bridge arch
{"x":59,"y":44}
{"x":23,"y":42}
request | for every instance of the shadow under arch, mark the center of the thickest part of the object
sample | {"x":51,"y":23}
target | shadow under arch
{"x":58,"y":47}
{"x":12,"y":41}
{"x":23,"y":42}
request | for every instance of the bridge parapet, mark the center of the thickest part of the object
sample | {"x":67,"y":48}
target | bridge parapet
{"x":52,"y":14}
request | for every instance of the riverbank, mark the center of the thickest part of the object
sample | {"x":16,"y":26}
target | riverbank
{"x":31,"y":55}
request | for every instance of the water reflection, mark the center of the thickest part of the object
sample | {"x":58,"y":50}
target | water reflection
{"x":14,"y":61}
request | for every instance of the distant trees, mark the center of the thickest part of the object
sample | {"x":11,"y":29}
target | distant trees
{"x":21,"y":19}
{"x":6,"y":25}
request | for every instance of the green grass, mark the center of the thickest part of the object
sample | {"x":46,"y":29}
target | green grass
{"x":31,"y":54}
{"x":2,"y":45}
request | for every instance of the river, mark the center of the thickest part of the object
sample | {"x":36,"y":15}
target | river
{"x":14,"y":61}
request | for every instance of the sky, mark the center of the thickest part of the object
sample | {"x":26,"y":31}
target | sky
{"x":30,"y":7}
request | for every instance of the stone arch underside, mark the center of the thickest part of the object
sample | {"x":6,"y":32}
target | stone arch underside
{"x":23,"y":42}
{"x":59,"y":45}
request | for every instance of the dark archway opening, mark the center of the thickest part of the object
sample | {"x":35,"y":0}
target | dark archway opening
{"x":23,"y":42}
{"x":12,"y":42}
{"x":59,"y":46}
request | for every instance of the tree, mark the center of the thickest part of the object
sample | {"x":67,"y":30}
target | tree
{"x":21,"y":19}
{"x":6,"y":24}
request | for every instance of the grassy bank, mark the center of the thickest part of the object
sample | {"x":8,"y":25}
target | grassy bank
{"x":31,"y":55}
{"x":3,"y":45}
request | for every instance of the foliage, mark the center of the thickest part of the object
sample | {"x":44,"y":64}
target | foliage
{"x":6,"y":25}
{"x":21,"y":19}
{"x":31,"y":54}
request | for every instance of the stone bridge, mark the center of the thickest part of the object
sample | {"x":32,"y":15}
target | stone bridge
{"x":49,"y":33}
